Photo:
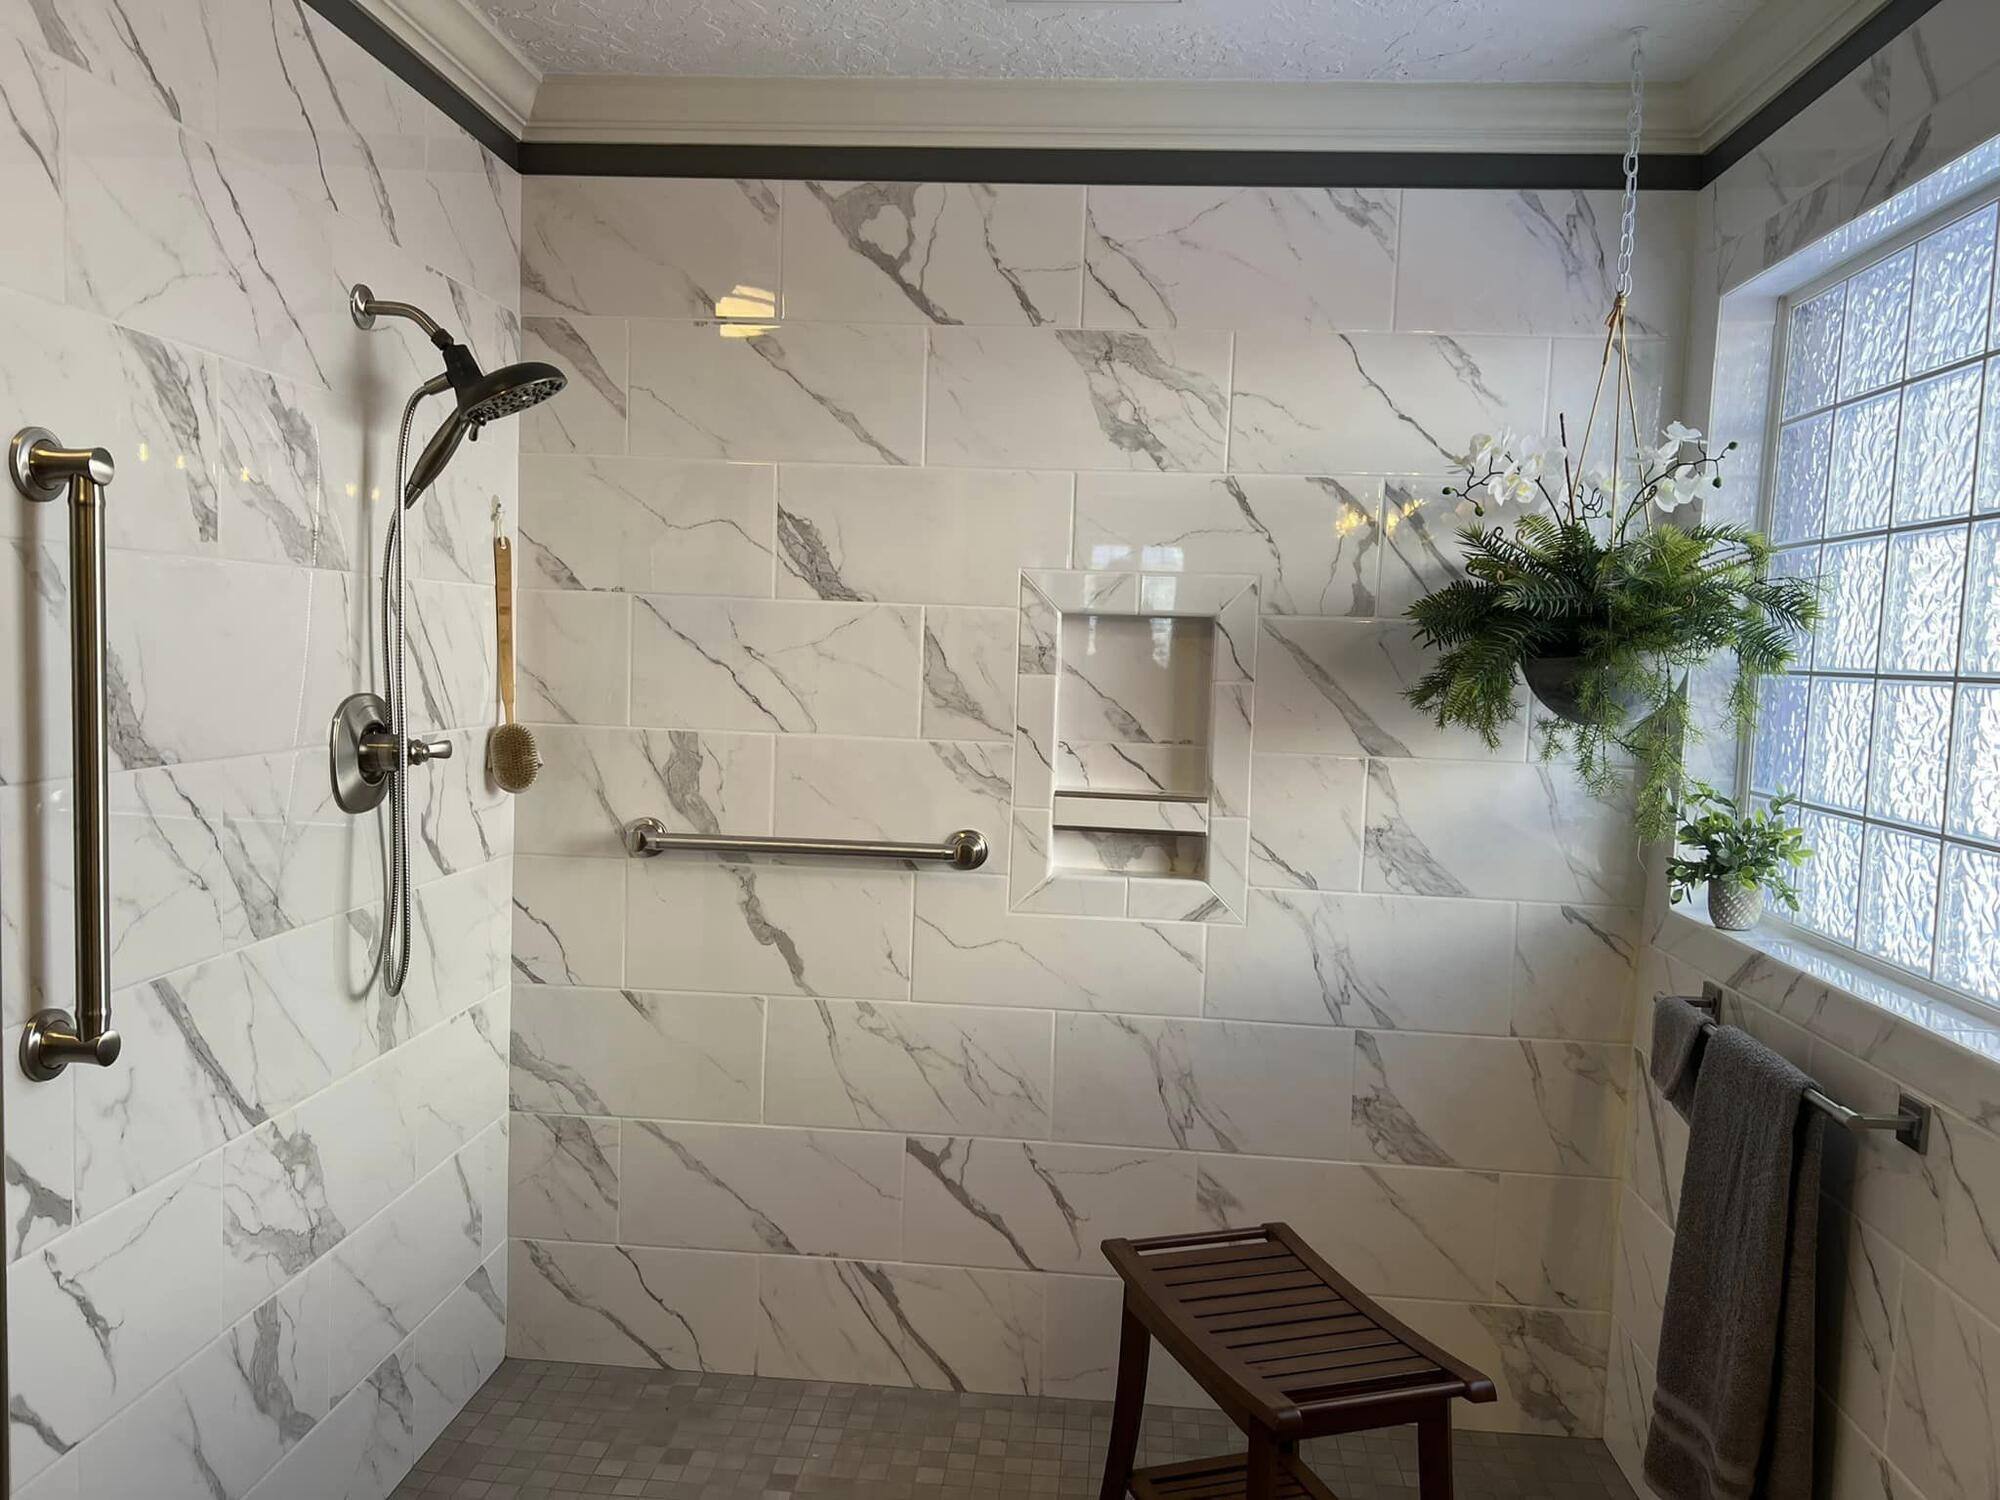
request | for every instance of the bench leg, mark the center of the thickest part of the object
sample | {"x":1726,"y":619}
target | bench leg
{"x":1261,"y":1482}
{"x":1434,"y":1455}
{"x":1135,"y":1347}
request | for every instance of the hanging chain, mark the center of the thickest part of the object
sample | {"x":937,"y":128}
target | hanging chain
{"x":1628,"y":219}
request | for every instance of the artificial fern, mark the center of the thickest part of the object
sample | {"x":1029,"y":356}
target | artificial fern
{"x":1639,"y":605}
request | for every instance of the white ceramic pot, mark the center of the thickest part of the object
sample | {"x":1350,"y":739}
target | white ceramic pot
{"x":1732,"y":908}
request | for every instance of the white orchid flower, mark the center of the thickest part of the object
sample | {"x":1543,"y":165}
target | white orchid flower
{"x":1679,"y":432}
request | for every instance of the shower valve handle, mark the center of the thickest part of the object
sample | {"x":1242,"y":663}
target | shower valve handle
{"x":378,"y":753}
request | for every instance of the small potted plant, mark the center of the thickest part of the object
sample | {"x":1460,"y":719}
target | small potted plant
{"x":1737,"y":855}
{"x":1602,"y":606}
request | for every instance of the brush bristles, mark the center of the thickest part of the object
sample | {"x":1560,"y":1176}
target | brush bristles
{"x":512,"y":758}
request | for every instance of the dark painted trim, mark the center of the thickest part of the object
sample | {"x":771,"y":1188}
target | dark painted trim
{"x":392,"y":53}
{"x":1378,"y":169}
{"x":1358,"y":169}
{"x":1849,"y":53}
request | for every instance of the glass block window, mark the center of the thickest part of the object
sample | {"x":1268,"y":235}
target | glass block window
{"x":1885,"y":484}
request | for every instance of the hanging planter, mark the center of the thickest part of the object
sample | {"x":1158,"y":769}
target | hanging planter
{"x":1589,"y":593}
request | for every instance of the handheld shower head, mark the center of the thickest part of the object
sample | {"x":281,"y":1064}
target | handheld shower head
{"x":482,"y":396}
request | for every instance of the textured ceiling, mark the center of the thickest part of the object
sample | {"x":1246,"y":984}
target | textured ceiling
{"x":1508,"y":41}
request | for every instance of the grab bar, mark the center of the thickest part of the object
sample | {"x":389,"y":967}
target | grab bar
{"x":647,"y":837}
{"x":43,"y":469}
{"x":1911,"y":1122}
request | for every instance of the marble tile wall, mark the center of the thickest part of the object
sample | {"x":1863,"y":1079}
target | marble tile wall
{"x":1910,"y":1305}
{"x":263,"y":1255}
{"x":865,"y":1124}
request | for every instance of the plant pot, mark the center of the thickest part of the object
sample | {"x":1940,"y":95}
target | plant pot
{"x":1732,"y":908}
{"x":1557,"y":682}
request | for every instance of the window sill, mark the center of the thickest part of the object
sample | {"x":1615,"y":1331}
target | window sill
{"x":1942,"y":1050}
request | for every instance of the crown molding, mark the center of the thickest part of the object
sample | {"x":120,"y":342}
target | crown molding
{"x":1766,"y":54}
{"x":1101,"y":115}
{"x":456,"y":41}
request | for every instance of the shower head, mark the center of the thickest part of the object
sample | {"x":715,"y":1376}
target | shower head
{"x":483,"y":396}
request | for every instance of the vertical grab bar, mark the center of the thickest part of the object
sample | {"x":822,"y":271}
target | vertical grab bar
{"x":43,"y":470}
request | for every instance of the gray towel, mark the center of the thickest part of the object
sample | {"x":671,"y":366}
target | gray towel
{"x":1733,"y":1409}
{"x":1677,"y":1040}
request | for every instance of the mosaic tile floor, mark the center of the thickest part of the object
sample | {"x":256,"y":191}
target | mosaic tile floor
{"x":540,"y":1431}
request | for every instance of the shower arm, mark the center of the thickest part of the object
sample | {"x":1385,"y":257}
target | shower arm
{"x":367,"y":307}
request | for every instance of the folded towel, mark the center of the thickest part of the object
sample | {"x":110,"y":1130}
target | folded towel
{"x":1677,"y":1039}
{"x":1733,"y":1407}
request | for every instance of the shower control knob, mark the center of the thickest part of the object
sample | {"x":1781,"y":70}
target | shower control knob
{"x":423,"y":750}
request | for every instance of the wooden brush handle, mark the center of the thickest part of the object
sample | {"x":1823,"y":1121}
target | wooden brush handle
{"x":503,"y":612}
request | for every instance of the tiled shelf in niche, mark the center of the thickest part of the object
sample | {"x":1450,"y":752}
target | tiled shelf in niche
{"x":1132,"y":745}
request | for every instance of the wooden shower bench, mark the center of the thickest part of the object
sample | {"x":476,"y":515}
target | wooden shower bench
{"x":1288,"y":1348}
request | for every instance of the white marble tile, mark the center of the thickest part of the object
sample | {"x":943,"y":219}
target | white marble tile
{"x":968,"y":673}
{"x":88,"y":1328}
{"x":228,"y":261}
{"x":631,"y":1053}
{"x":590,"y":417}
{"x":1458,"y":829}
{"x":187,"y":625}
{"x":1026,"y":1205}
{"x":457,"y":1349}
{"x":759,"y":665}
{"x":1628,"y":1406}
{"x":1573,"y":376}
{"x":1080,"y":1351}
{"x":1075,"y":399}
{"x":1548,"y":262}
{"x":917,"y":536}
{"x":1128,"y":681}
{"x":1305,"y":821}
{"x":363,"y":1447}
{"x":921,"y":790}
{"x":803,"y":392}
{"x":1202,"y":257}
{"x":596,"y":780}
{"x":1556,"y":1239}
{"x":1395,"y":1231}
{"x":609,"y":1304}
{"x":1657,"y":1152}
{"x":454,"y":1080}
{"x":755,"y":1188}
{"x":574,"y":664}
{"x":220,"y":1422}
{"x":1339,"y":403}
{"x":1573,"y":972}
{"x":1202,"y":1085}
{"x":645,"y":525}
{"x":388,"y":1275}
{"x":294,"y":1189}
{"x":828,"y":1319}
{"x":1036,"y":749}
{"x":1860,"y":1287}
{"x":452,"y":654}
{"x":909,"y":252}
{"x":31,"y":169}
{"x":1337,"y":959}
{"x":1549,"y":1366}
{"x":1489,"y":1102}
{"x":1312,"y":543}
{"x":762,"y":928}
{"x":165,"y":71}
{"x":1336,"y":687}
{"x":569,"y":921}
{"x":268,"y":475}
{"x":40,"y":1164}
{"x":562,"y":1178}
{"x":907,"y":1067}
{"x":970,"y":1330}
{"x":1941,"y":1430}
{"x":649,"y":248}
{"x":970,"y":949}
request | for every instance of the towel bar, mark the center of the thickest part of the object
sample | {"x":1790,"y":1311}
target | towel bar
{"x":1911,"y":1122}
{"x":646,"y":837}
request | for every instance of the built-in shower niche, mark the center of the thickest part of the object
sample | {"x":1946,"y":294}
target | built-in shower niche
{"x":1133,"y":745}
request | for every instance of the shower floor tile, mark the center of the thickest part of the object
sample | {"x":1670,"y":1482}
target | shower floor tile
{"x":541,"y":1431}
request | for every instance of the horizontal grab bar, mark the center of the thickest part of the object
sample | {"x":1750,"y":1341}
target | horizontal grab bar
{"x":647,"y":837}
{"x":1911,"y":1123}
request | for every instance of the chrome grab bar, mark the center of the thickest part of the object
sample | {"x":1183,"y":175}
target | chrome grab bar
{"x":43,"y":470}
{"x":647,"y":837}
{"x":1911,"y":1122}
